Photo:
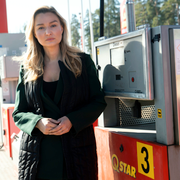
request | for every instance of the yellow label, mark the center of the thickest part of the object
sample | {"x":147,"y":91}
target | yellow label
{"x":159,"y":112}
{"x":97,"y":51}
{"x":145,"y":160}
{"x":120,"y":166}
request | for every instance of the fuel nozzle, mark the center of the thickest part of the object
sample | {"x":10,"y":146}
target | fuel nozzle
{"x":136,"y":109}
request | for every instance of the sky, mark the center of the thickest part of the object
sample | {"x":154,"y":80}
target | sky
{"x":20,"y":11}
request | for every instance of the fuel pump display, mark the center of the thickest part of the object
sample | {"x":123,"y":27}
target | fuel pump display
{"x":129,"y":72}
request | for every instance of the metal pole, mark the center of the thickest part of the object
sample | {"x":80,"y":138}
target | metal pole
{"x":69,"y":24}
{"x":130,"y":16}
{"x":101,"y":18}
{"x":91,"y":29}
{"x":82,"y":26}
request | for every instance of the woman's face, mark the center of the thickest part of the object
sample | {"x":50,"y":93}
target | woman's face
{"x":47,"y":29}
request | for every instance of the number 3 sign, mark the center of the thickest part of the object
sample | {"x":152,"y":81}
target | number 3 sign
{"x":145,"y":159}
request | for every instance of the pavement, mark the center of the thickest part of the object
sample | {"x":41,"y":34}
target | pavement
{"x":8,"y":169}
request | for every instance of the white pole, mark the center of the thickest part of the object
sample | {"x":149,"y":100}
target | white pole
{"x":91,"y":30}
{"x":69,"y":24}
{"x":82,"y":26}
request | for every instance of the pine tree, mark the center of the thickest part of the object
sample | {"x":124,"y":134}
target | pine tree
{"x":153,"y":12}
{"x":178,"y":11}
{"x":96,"y":24}
{"x":75,"y":26}
{"x":148,"y":12}
{"x":87,"y":32}
{"x":157,"y":12}
{"x":96,"y":28}
{"x":170,"y":12}
{"x":140,"y":13}
{"x":111,"y":18}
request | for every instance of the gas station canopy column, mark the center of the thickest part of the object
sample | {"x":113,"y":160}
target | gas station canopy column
{"x":3,"y":17}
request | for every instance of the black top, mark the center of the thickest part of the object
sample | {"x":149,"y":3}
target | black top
{"x":50,"y":88}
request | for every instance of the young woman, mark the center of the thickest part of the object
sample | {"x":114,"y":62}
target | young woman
{"x":58,"y":98}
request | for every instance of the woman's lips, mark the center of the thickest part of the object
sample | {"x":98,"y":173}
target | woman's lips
{"x":49,"y":39}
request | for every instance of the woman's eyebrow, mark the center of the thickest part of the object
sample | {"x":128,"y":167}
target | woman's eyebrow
{"x":49,"y":23}
{"x":53,"y":21}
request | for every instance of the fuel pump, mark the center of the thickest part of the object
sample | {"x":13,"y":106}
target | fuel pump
{"x":139,"y":72}
{"x":10,"y":45}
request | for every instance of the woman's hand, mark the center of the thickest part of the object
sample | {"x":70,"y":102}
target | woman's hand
{"x":46,"y":124}
{"x":63,"y":127}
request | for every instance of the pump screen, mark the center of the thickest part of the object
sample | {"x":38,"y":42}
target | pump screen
{"x":117,"y":56}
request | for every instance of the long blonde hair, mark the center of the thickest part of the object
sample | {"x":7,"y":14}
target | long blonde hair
{"x":33,"y":59}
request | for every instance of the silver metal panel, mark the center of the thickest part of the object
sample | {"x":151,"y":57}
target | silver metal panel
{"x":162,"y":85}
{"x":133,"y":52}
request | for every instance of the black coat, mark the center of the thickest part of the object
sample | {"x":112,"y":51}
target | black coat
{"x":79,"y":149}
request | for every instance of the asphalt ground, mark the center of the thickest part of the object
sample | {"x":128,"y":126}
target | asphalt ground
{"x":8,"y":169}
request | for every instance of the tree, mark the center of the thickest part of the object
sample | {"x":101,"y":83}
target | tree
{"x":75,"y":26}
{"x":148,"y":12}
{"x":111,"y":22}
{"x":87,"y":32}
{"x":170,"y":12}
{"x":140,"y":13}
{"x":96,"y":28}
{"x":157,"y":12}
{"x":153,"y":12}
{"x":111,"y":18}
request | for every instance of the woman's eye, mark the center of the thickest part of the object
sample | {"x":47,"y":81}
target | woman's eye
{"x":41,"y":27}
{"x":54,"y":25}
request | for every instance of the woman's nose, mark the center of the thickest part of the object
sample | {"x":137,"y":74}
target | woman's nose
{"x":48,"y":31}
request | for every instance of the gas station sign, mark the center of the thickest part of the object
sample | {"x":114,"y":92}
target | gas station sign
{"x":123,"y":19}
